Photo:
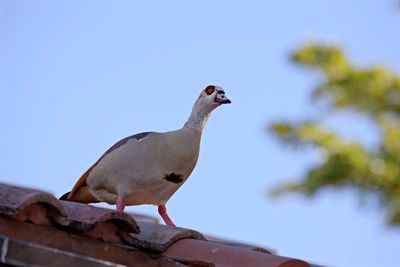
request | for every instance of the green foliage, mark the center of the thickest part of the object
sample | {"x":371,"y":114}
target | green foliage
{"x":374,"y":92}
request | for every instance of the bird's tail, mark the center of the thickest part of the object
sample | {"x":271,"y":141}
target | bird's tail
{"x":82,"y":195}
{"x":65,"y":196}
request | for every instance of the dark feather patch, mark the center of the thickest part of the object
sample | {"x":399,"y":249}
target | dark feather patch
{"x":174,"y":178}
{"x":209,"y":89}
{"x":65,"y":196}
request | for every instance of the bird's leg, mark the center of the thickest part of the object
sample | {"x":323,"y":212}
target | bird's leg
{"x":120,"y":204}
{"x":163,"y":212}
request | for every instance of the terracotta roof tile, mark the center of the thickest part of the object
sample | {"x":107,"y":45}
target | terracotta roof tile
{"x":85,"y":217}
{"x":43,"y":209}
{"x":23,"y":253}
{"x":144,"y":218}
{"x":248,"y":247}
{"x":28,"y":205}
{"x":159,"y":237}
{"x":225,"y":255}
{"x":70,"y":243}
{"x":41,"y":223}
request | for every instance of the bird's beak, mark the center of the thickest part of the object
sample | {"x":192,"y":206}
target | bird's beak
{"x":224,"y":100}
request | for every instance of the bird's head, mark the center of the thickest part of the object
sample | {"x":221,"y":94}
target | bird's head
{"x":210,"y":98}
{"x":213,"y":96}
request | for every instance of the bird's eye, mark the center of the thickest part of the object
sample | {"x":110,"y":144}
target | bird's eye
{"x":222,"y":96}
{"x":210,"y":89}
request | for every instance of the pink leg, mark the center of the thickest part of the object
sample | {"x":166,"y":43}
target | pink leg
{"x":163,"y":212}
{"x":120,"y":204}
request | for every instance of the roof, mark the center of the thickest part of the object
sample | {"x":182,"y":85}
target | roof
{"x":38,"y":229}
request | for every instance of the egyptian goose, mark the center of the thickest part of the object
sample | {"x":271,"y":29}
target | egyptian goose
{"x":148,"y":168}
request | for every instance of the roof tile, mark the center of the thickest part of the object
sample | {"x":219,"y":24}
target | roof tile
{"x":41,"y":208}
{"x":226,"y":255}
{"x":13,"y":200}
{"x":85,"y":217}
{"x":70,"y":243}
{"x":69,"y":224}
{"x":248,"y":247}
{"x":159,"y":237}
{"x":144,"y":218}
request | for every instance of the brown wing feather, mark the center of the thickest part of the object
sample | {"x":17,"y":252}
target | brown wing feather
{"x":81,"y":182}
{"x":84,"y":194}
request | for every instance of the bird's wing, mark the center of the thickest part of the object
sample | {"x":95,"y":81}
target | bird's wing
{"x":82,"y":180}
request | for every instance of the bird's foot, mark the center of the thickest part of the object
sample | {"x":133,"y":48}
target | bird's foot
{"x":120,"y":204}
{"x":163,"y":213}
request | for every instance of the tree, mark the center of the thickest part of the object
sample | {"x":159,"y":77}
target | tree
{"x":374,"y":92}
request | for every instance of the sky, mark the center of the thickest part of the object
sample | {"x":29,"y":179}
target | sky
{"x":77,"y":76}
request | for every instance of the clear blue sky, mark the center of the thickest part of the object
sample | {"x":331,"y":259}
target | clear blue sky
{"x":76,"y":76}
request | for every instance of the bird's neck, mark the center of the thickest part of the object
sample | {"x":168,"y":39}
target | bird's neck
{"x":198,"y":117}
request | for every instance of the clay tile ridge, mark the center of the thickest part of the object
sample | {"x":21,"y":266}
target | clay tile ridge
{"x":85,"y":217}
{"x":183,"y":246}
{"x":27,"y":204}
{"x":220,"y":254}
{"x":102,"y":224}
{"x":159,"y":238}
{"x":43,"y":209}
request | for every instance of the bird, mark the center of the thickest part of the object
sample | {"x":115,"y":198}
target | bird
{"x":148,"y":167}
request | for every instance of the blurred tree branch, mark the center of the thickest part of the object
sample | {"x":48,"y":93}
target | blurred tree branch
{"x":374,"y":92}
